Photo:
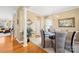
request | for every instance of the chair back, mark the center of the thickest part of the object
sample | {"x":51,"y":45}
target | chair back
{"x":70,"y":41}
{"x":73,"y":37}
{"x":76,"y":43}
{"x":77,"y":37}
{"x":60,"y":41}
{"x":42,"y":38}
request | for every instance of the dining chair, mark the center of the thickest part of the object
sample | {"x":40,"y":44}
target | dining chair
{"x":42,"y":38}
{"x":60,"y":42}
{"x":76,"y":43}
{"x":69,"y":44}
{"x":45,"y":42}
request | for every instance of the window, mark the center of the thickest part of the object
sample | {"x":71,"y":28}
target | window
{"x":48,"y":24}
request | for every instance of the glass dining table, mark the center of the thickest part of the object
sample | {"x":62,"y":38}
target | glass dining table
{"x":50,"y":35}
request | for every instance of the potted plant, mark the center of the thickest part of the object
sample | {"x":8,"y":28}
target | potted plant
{"x":29,"y":33}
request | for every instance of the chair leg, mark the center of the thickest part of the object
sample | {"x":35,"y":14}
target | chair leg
{"x":44,"y":44}
{"x":52,"y":43}
{"x":72,"y":49}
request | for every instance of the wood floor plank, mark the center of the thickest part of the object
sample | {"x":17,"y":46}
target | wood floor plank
{"x":12,"y":46}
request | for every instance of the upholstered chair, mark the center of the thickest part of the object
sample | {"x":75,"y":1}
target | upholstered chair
{"x":60,"y":41}
{"x":76,"y":43}
{"x":69,"y":44}
{"x":77,"y":36}
{"x":45,"y":42}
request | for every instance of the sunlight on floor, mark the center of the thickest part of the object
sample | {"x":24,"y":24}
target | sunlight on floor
{"x":2,"y":40}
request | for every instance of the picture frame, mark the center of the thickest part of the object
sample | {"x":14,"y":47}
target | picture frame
{"x":66,"y":22}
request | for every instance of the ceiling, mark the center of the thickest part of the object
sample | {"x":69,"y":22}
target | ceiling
{"x":7,"y":11}
{"x":48,"y":10}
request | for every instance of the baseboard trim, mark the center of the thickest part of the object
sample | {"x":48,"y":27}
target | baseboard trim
{"x":19,"y":41}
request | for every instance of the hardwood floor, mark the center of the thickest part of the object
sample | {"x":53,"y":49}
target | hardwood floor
{"x":10,"y":45}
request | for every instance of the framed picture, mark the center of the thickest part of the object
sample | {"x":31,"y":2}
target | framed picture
{"x":67,"y":22}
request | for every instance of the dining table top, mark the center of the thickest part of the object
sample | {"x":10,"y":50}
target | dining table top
{"x":49,"y":33}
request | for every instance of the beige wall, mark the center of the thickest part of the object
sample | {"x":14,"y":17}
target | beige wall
{"x":66,"y":14}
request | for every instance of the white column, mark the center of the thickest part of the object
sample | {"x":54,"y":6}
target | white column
{"x":25,"y":27}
